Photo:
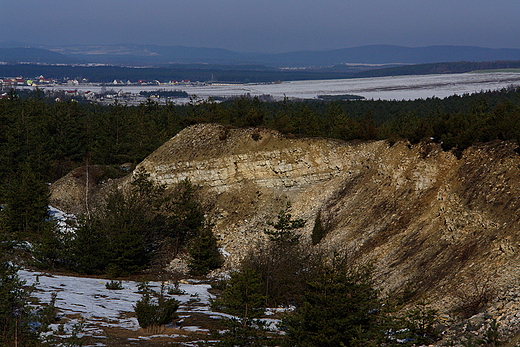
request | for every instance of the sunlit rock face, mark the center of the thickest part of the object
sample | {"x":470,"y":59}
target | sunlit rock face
{"x":221,"y":158}
{"x":416,"y":213}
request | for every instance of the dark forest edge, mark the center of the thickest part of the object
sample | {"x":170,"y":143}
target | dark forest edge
{"x":240,"y":73}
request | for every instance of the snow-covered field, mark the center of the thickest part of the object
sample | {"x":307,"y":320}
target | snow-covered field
{"x":87,"y":300}
{"x":384,"y":88}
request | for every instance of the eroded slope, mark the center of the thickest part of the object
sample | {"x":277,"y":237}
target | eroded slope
{"x":417,"y":213}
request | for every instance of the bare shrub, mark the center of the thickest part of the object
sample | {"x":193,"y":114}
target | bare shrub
{"x":474,"y":294}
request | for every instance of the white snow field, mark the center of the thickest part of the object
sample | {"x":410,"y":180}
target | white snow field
{"x":88,"y":300}
{"x":384,"y":88}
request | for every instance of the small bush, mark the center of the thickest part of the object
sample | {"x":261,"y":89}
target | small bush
{"x":154,"y":310}
{"x":475,"y":296}
{"x":175,"y":290}
{"x":114,"y":285}
{"x":421,"y":322}
{"x":143,"y":287}
{"x":49,"y":313}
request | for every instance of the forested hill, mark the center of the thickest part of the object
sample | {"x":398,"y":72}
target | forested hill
{"x":440,"y":68}
{"x":238,"y":73}
{"x":146,"y":55}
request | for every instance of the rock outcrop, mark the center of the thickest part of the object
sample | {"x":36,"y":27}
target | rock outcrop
{"x":449,"y":225}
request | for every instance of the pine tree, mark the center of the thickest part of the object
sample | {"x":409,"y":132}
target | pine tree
{"x":155,"y":309}
{"x":49,"y":252}
{"x":88,"y":250}
{"x":318,"y":232}
{"x":26,"y":212}
{"x":205,"y":253}
{"x":243,"y":295}
{"x":280,"y":261}
{"x":15,"y":312}
{"x":184,"y":216}
{"x":285,"y":227}
{"x":340,"y":309}
{"x":243,"y":298}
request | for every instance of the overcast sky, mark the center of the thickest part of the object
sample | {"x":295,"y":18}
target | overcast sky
{"x":263,"y":25}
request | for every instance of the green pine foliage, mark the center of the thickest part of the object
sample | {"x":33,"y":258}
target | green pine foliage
{"x":318,"y":231}
{"x":133,"y":229}
{"x":155,"y":309}
{"x":114,"y":285}
{"x":26,"y":204}
{"x":48,"y":251}
{"x":283,"y":270}
{"x":252,"y":334}
{"x":204,"y":252}
{"x":121,"y":235}
{"x":340,"y":308}
{"x":243,"y":295}
{"x":15,"y":311}
{"x":285,"y":228}
{"x":282,"y":263}
{"x":421,"y":323}
{"x":87,"y":252}
{"x":184,"y":216}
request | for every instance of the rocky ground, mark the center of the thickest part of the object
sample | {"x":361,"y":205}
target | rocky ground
{"x":446,"y":223}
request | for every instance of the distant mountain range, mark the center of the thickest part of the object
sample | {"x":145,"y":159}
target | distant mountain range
{"x":150,"y":55}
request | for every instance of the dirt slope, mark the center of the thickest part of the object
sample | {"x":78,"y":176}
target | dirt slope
{"x":418,"y":214}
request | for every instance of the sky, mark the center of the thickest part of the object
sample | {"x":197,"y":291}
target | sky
{"x":268,"y":26}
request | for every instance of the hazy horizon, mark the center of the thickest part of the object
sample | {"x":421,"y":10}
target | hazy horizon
{"x":266,"y":26}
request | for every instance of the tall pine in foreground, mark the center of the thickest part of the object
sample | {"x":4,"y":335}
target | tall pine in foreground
{"x":243,"y":297}
{"x":340,"y":308}
{"x":15,"y":312}
{"x":26,"y":212}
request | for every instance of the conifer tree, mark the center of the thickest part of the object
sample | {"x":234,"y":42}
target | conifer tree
{"x":15,"y":312}
{"x":26,"y":211}
{"x":155,"y":309}
{"x":339,"y":309}
{"x":318,"y":232}
{"x":285,"y":227}
{"x":243,"y":295}
{"x":204,"y":252}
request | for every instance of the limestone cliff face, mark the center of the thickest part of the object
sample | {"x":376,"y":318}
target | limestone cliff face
{"x":415,"y":212}
{"x":223,"y":159}
{"x":247,"y":175}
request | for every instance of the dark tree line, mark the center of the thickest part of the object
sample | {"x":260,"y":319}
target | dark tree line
{"x":54,"y":137}
{"x":41,"y":140}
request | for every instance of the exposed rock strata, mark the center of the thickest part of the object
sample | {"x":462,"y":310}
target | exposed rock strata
{"x":416,"y":213}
